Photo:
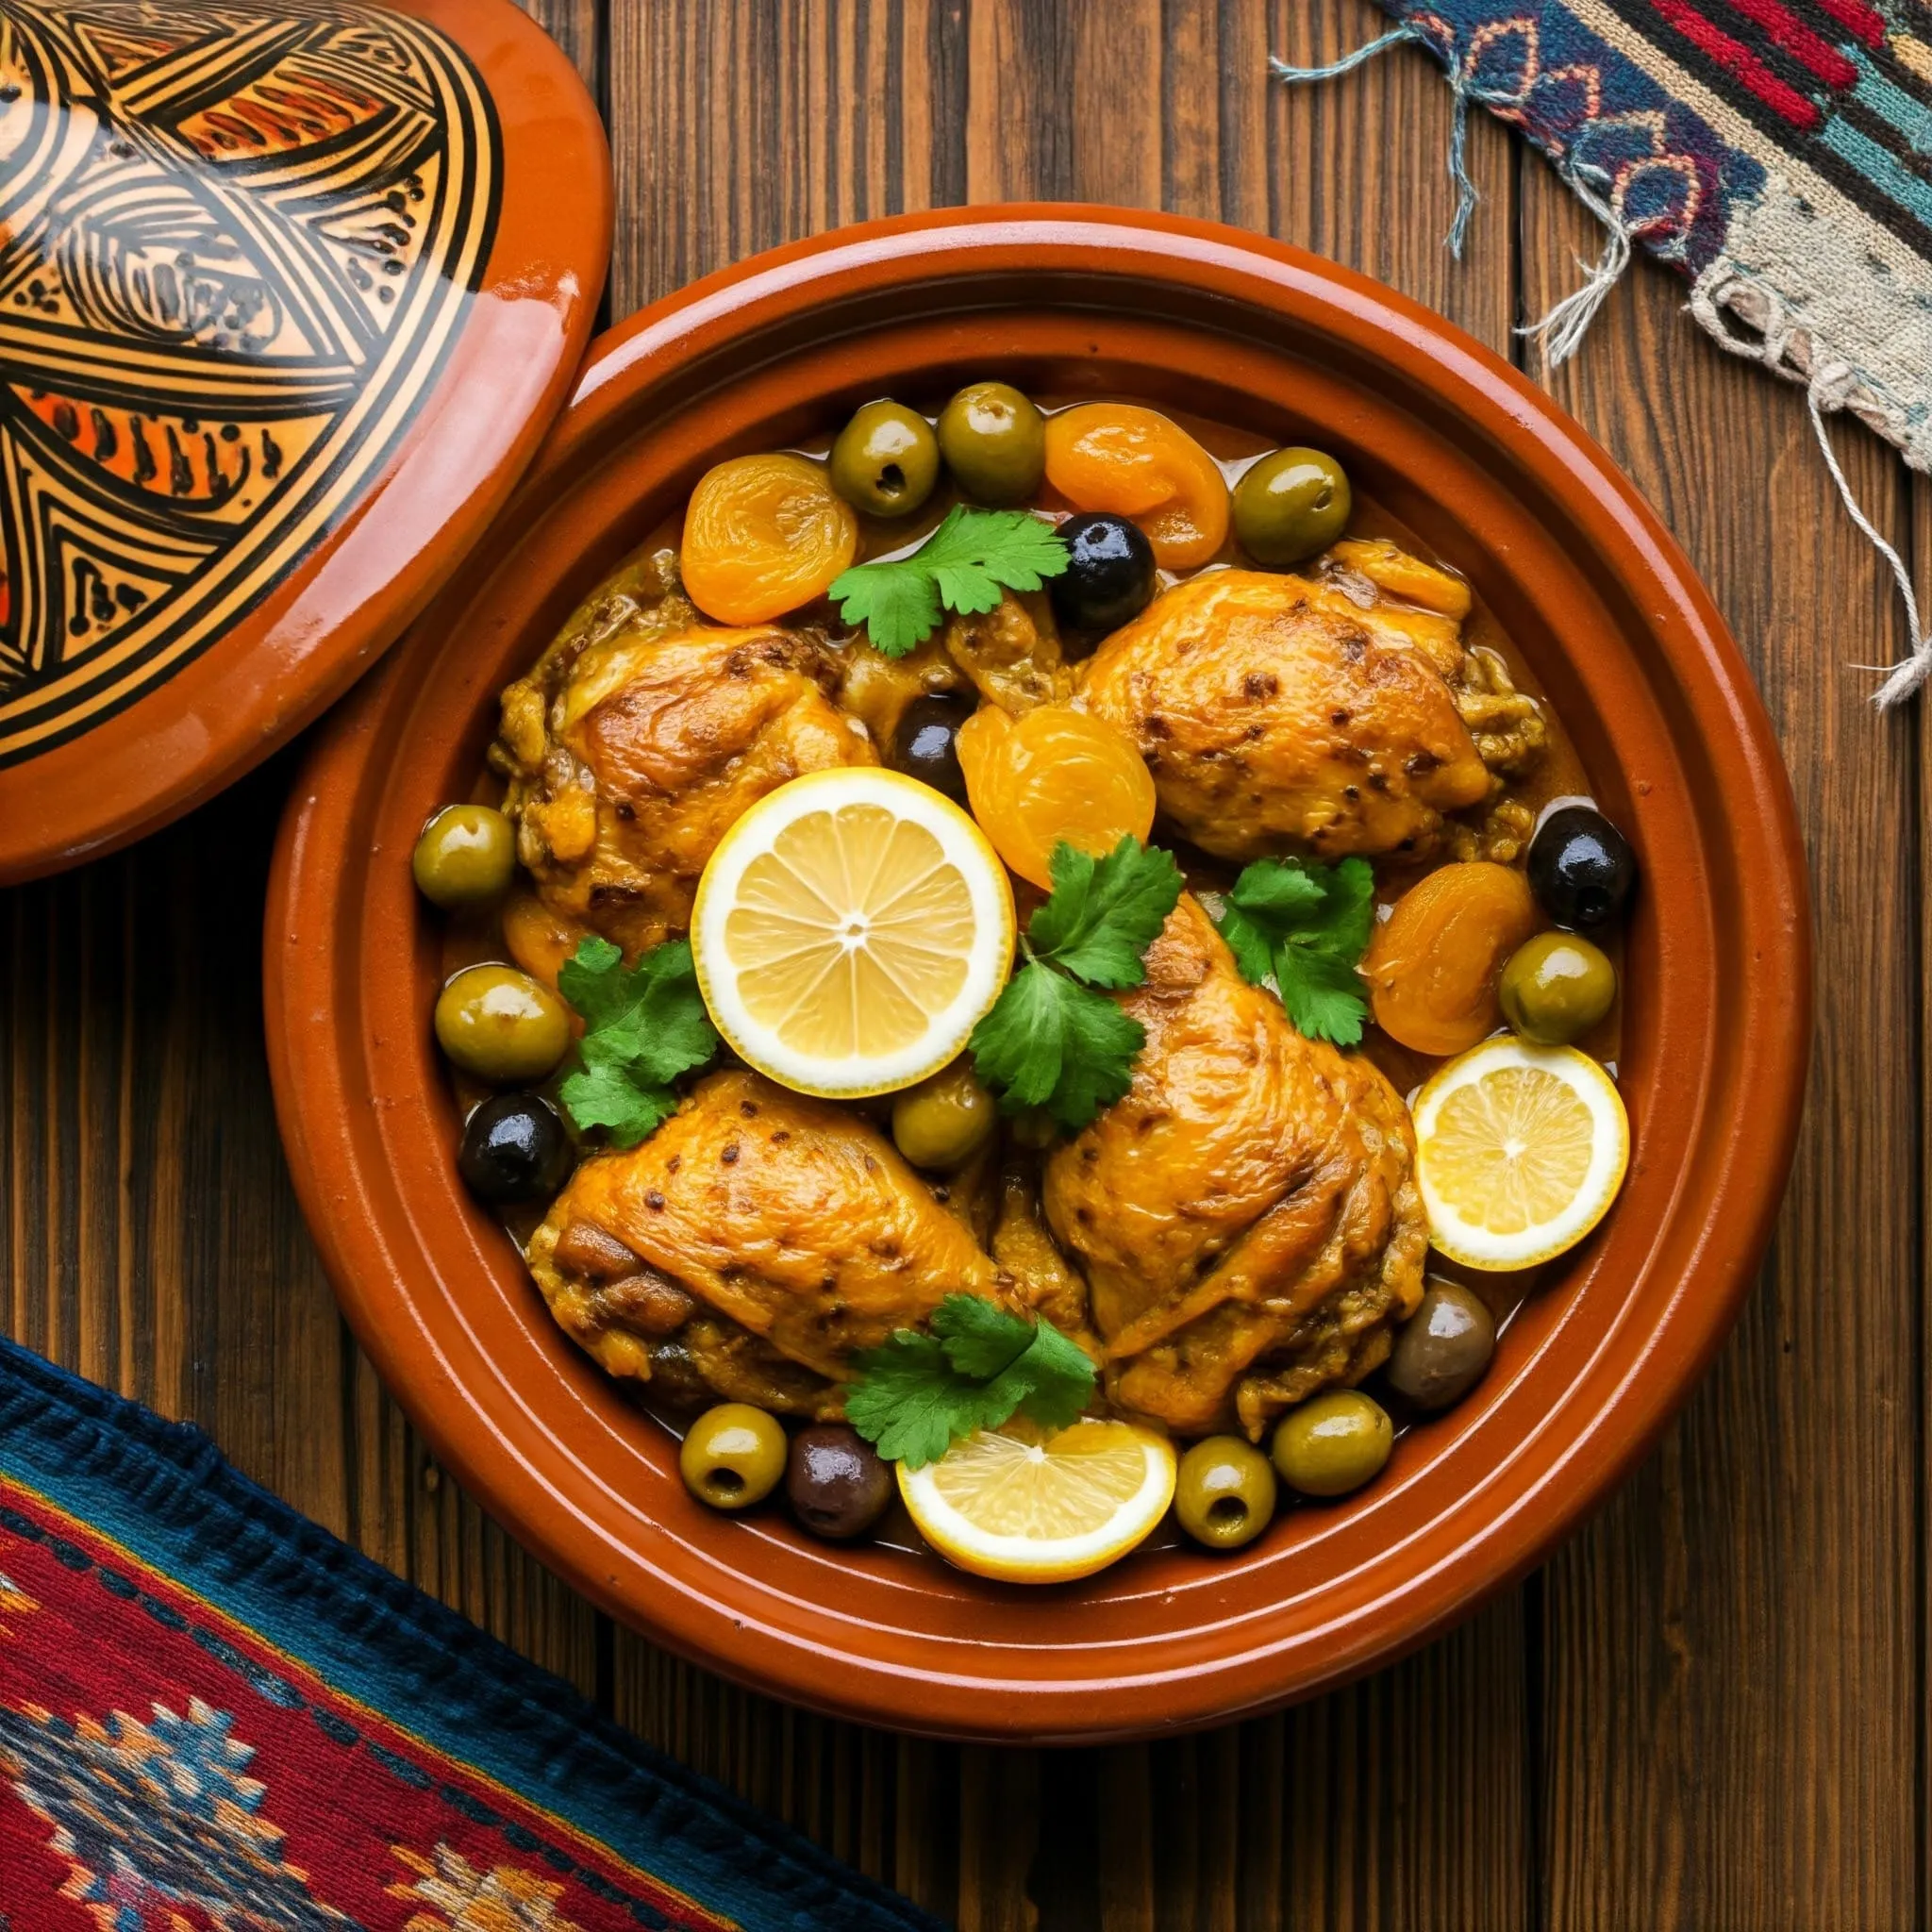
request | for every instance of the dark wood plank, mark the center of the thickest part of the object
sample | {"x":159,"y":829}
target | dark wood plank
{"x":1732,"y":1679}
{"x":1709,"y":1711}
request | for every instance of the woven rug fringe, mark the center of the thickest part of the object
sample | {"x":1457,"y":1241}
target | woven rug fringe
{"x":1563,"y":326}
{"x":1736,"y":307}
{"x":1466,"y":195}
{"x":1909,"y":673}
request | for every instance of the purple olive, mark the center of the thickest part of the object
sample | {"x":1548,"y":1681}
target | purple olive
{"x":835,"y":1481}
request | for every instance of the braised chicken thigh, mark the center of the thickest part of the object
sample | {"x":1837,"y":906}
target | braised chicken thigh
{"x":921,"y":1114}
{"x":750,"y":1248}
{"x":641,"y":737}
{"x":1247,"y":1217}
{"x":1278,"y":716}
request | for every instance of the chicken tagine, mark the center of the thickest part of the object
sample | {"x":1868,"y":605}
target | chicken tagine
{"x":1040,"y":964}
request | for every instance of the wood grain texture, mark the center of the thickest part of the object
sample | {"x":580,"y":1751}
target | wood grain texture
{"x":1710,"y":1709}
{"x":1741,"y":1628}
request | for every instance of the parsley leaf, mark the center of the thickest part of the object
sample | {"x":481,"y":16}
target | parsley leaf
{"x":909,"y":1400}
{"x":1306,"y":926}
{"x":898,"y":606}
{"x":643,"y":1025}
{"x":917,"y":1394}
{"x":1104,"y":913}
{"x":963,"y":566}
{"x":1051,"y":1041}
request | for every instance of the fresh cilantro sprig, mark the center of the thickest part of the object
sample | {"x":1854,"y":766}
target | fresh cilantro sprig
{"x":917,"y":1394}
{"x":643,"y":1025}
{"x":1053,"y":1038}
{"x":963,"y":566}
{"x":1306,"y":926}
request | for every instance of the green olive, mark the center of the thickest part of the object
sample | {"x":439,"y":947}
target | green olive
{"x":1333,"y":1443}
{"x":501,"y":1024}
{"x":1556,"y":987}
{"x":1290,"y":504}
{"x":994,"y":442}
{"x":1224,"y":1493}
{"x":733,"y":1457}
{"x":946,"y":1119}
{"x":464,"y":856}
{"x":1444,"y":1348}
{"x":886,"y":460}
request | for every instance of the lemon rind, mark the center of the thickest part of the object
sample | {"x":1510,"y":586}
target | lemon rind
{"x":856,"y":1077}
{"x":1461,"y":1241}
{"x":1034,"y":1560}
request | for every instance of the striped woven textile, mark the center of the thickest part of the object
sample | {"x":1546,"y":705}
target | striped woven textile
{"x":1777,"y":152}
{"x":215,"y":1717}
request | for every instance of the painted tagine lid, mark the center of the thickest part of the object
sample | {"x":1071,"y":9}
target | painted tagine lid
{"x":288,"y":294}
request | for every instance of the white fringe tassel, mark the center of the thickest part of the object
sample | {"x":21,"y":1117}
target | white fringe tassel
{"x":1910,"y":672}
{"x":1561,"y":330}
{"x":1460,"y":90}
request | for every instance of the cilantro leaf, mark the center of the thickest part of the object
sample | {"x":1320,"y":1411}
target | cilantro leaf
{"x":643,"y":1026}
{"x":1306,"y":926}
{"x":1254,"y":952}
{"x":1051,"y":1039}
{"x":963,"y":566}
{"x":916,"y":1393}
{"x":909,"y":1400}
{"x":980,"y":1338}
{"x":1104,"y":913}
{"x":1054,"y":1043}
{"x":1011,"y":547}
{"x":1049,"y":1382}
{"x":898,"y":606}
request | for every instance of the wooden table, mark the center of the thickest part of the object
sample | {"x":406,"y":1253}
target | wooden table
{"x":1708,"y":1710}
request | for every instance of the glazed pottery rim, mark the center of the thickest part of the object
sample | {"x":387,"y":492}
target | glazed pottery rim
{"x":306,"y":636}
{"x":438,"y":1297}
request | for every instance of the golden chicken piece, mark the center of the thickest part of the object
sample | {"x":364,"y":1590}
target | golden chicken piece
{"x":1247,"y":1215}
{"x":1013,"y":653}
{"x":750,"y":1248}
{"x":641,"y":737}
{"x":1278,"y":716}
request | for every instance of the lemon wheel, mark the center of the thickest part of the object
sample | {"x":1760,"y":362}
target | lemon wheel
{"x":850,"y":931}
{"x":1027,"y":1506}
{"x":1520,"y":1151}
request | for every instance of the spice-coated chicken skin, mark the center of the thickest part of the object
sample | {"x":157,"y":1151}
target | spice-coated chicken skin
{"x":750,"y":1246}
{"x":1247,"y":1217}
{"x":638,"y":740}
{"x":1276,"y":717}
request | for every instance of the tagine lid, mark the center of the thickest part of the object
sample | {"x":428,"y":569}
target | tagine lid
{"x":289,"y":294}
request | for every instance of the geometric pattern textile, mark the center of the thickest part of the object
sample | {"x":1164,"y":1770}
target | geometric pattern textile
{"x":215,"y":1717}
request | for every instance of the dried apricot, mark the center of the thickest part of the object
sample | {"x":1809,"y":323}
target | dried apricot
{"x":764,"y":535}
{"x":539,"y":939}
{"x":1433,"y":964}
{"x":1391,"y":568}
{"x":1054,"y":773}
{"x":1136,"y":462}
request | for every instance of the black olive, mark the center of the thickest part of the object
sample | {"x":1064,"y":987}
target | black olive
{"x":835,"y":1481}
{"x":923,"y":747}
{"x":514,"y":1149}
{"x":1110,"y":574}
{"x":1444,"y":1348}
{"x":1581,"y":868}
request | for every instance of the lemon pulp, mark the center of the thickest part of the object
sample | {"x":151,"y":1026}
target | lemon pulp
{"x":1520,"y":1151}
{"x":850,"y":931}
{"x":1042,"y":1509}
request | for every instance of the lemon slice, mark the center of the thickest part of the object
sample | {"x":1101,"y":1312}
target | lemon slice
{"x":1520,"y":1150}
{"x":850,"y":931}
{"x":1029,"y":1508}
